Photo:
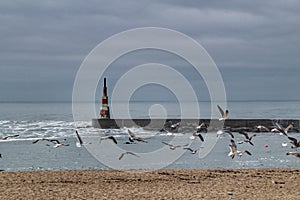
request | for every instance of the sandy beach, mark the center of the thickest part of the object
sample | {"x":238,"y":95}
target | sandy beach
{"x":158,"y":184}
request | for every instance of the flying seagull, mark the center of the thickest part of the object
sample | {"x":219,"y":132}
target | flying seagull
{"x":173,"y":147}
{"x":222,"y":131}
{"x":197,"y":135}
{"x":294,"y":142}
{"x":9,"y":136}
{"x":224,"y":115}
{"x":234,"y":151}
{"x":193,"y":151}
{"x":261,"y":128}
{"x":282,"y":130}
{"x":248,"y":139}
{"x":133,"y":137}
{"x":202,"y":128}
{"x":109,"y":137}
{"x":56,"y":142}
{"x":296,"y":154}
{"x":126,"y":153}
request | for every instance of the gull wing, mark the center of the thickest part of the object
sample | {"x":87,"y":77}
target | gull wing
{"x":131,"y":134}
{"x":294,"y":140}
{"x":280,"y":128}
{"x":79,"y":138}
{"x":288,"y":128}
{"x":244,"y":133}
{"x":221,"y":110}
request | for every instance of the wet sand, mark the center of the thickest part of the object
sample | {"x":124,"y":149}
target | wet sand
{"x":159,"y":184}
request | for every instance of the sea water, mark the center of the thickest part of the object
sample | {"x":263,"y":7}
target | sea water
{"x":33,"y":120}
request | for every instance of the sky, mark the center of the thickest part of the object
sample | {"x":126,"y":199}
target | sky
{"x":255,"y":44}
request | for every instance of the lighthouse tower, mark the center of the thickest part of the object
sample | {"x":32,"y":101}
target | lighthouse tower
{"x":104,"y":111}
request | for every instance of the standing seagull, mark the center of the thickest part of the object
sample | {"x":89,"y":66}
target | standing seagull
{"x":126,"y":153}
{"x":133,"y":137}
{"x":248,"y":139}
{"x":224,"y":115}
{"x":234,"y":151}
{"x":173,"y":147}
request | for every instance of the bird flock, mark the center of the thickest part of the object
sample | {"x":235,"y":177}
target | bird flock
{"x":169,"y":128}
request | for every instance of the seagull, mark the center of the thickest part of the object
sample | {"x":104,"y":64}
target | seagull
{"x":224,"y":115}
{"x":174,"y":126}
{"x":110,"y":137}
{"x":9,"y":136}
{"x":294,"y":142}
{"x":127,"y":152}
{"x":193,"y":151}
{"x":197,"y":135}
{"x":56,"y":142}
{"x":262,"y":128}
{"x":284,"y":144}
{"x":279,"y":128}
{"x":173,"y":147}
{"x":202,"y":128}
{"x":248,"y":139}
{"x":222,"y":131}
{"x":133,"y":137}
{"x":296,"y":154}
{"x":234,"y":151}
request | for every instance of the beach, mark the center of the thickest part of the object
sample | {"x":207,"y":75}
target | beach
{"x":264,"y":183}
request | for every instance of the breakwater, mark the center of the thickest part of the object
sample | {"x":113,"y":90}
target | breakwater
{"x":247,"y":124}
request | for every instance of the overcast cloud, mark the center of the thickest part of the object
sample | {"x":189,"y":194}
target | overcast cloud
{"x":255,"y":44}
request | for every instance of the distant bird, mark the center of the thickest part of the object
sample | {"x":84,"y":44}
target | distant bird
{"x":56,"y":142}
{"x":195,"y":135}
{"x":202,"y":128}
{"x":261,"y":128}
{"x":222,"y":131}
{"x":280,"y":129}
{"x":126,"y":153}
{"x":234,"y":151}
{"x":296,"y":154}
{"x":284,"y":144}
{"x":224,"y":115}
{"x":133,"y":137}
{"x":176,"y":125}
{"x":248,"y":139}
{"x":109,"y":137}
{"x":173,"y":147}
{"x":9,"y":136}
{"x":294,"y":142}
{"x":193,"y":151}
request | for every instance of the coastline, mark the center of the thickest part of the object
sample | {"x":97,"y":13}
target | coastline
{"x":262,"y":183}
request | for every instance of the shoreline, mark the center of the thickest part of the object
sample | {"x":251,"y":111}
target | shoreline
{"x":252,"y":183}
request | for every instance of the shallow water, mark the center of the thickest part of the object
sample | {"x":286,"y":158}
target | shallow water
{"x":54,"y":120}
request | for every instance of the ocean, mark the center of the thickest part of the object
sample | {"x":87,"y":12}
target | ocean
{"x":54,"y":120}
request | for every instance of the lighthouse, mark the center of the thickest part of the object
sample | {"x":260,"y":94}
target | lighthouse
{"x":104,"y":111}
